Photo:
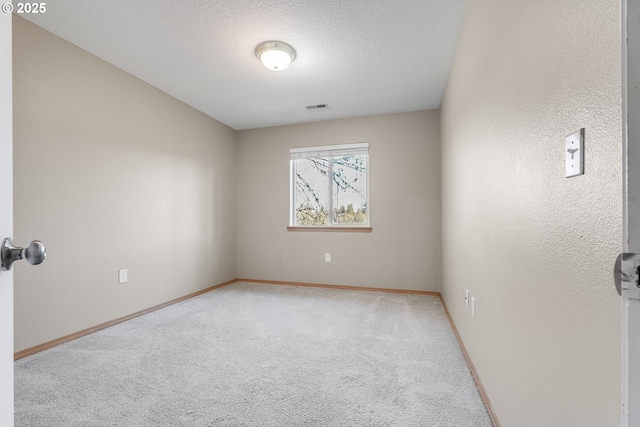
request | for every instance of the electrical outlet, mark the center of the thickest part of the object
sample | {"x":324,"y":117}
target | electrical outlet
{"x":473,"y":306}
{"x":327,"y":257}
{"x":466,"y":297}
{"x":122,"y":276}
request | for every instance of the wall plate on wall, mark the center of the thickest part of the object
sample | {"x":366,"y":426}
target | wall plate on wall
{"x":574,"y":153}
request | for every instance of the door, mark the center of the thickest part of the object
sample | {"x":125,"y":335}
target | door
{"x":631,"y":205}
{"x":6,"y":222}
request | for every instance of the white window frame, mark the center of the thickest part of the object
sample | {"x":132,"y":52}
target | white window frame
{"x":329,"y":151}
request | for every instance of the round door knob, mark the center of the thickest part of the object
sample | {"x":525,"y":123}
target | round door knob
{"x":35,"y":252}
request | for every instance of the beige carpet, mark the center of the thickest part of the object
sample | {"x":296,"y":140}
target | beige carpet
{"x":259,"y":355}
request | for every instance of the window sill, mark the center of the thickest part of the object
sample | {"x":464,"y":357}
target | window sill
{"x":331,"y":229}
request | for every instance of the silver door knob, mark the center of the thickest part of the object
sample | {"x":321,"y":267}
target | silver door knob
{"x":34,"y":253}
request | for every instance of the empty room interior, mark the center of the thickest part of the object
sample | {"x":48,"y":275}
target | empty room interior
{"x":153,"y":148}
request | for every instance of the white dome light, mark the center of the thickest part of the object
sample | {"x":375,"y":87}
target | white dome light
{"x":276,"y":56}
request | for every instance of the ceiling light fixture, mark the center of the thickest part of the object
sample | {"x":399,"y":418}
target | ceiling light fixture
{"x":276,"y":56}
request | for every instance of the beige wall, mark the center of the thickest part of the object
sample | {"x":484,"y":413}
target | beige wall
{"x":535,"y":248}
{"x":402,"y":251}
{"x":111,"y":173}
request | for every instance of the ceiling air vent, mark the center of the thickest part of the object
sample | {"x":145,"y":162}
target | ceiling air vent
{"x":316,"y":106}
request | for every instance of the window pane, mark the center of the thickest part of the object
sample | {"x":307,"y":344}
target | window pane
{"x":312,"y":191}
{"x":350,"y":189}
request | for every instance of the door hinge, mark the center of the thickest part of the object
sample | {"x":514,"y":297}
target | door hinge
{"x":627,"y":275}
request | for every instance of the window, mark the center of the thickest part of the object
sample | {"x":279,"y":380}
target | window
{"x":329,"y":186}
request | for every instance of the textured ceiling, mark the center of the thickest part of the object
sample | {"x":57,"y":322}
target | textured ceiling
{"x":361,"y":57}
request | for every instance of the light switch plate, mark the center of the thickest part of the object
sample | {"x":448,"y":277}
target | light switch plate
{"x":574,"y":153}
{"x":327,"y":257}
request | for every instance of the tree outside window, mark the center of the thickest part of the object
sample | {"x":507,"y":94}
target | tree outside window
{"x":329,"y":186}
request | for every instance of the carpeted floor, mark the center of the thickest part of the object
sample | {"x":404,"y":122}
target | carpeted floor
{"x":259,"y":355}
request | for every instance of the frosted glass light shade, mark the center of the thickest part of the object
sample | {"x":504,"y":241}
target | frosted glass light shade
{"x":276,"y":56}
